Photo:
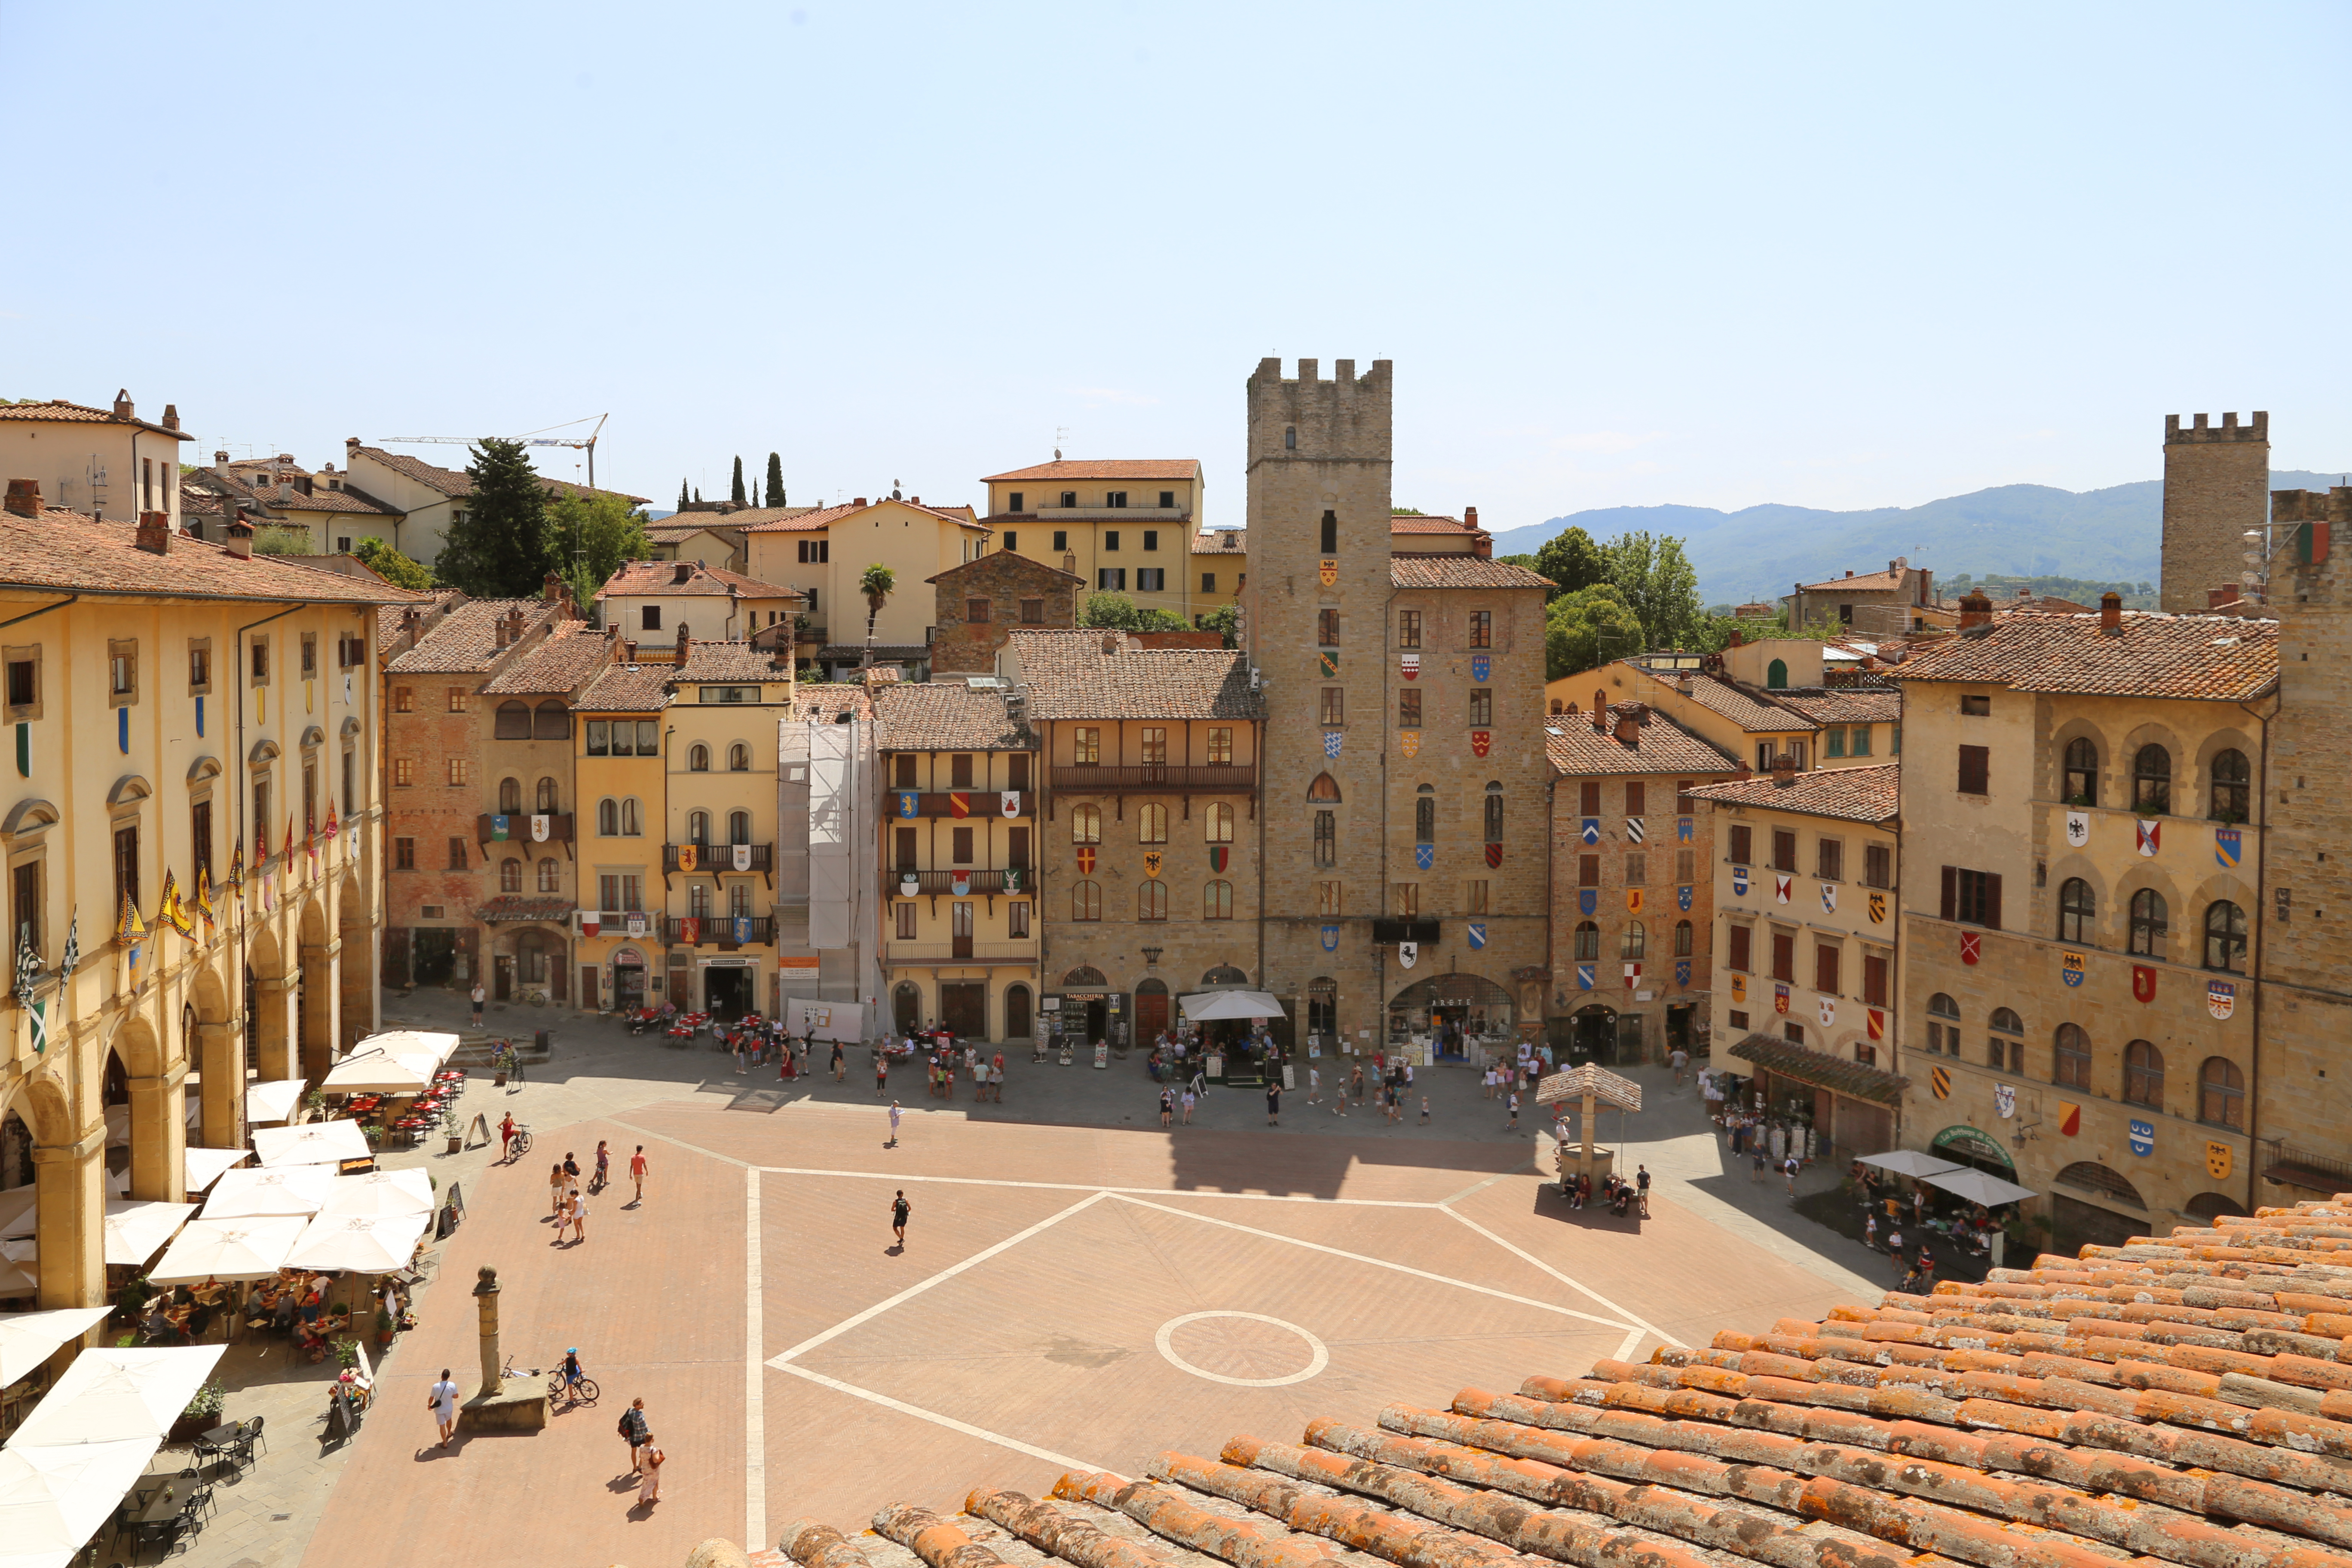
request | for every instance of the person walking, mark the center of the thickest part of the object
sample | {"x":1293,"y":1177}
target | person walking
{"x":636,"y":1433}
{"x":506,"y":1138}
{"x":1791,"y":1170}
{"x":1314,"y":1087}
{"x":1167,"y":1107}
{"x":478,"y":1000}
{"x":555,"y":1190}
{"x":1189,"y":1102}
{"x":898,"y":1212}
{"x":840,"y":1063}
{"x":649,"y":1461}
{"x":881,"y":1071}
{"x":1870,"y":1230}
{"x":1272,"y":1103}
{"x":1514,"y":1103}
{"x":571,"y":1170}
{"x":1641,"y":1187}
{"x":638,"y":1174}
{"x":1756,"y":1159}
{"x":1680,"y":1058}
{"x":604,"y":1167}
{"x":563,"y":1215}
{"x":443,"y":1403}
{"x":1425,"y":1110}
{"x":893,"y":1126}
{"x":579,"y":1216}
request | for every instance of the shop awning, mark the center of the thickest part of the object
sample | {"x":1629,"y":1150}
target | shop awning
{"x":1856,"y":1080}
{"x":1203,"y":1006}
{"x":437,"y":1044}
{"x":1910,"y":1162}
{"x":1978,"y":1187}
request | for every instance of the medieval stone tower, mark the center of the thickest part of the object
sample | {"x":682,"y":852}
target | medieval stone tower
{"x":2216,"y":486}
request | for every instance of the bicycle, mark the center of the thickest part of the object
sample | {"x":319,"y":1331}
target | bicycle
{"x":583,"y":1392}
{"x":521,"y":1143}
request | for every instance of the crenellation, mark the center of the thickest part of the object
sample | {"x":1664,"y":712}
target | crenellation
{"x":2216,"y":487}
{"x":2228,"y":431}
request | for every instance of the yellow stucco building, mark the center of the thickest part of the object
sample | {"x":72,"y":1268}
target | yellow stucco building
{"x":820,"y":554}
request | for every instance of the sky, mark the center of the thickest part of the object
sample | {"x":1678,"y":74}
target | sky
{"x":1717,"y":255}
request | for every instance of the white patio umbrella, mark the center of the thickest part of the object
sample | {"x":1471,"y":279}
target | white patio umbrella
{"x":440,"y":1047}
{"x":313,"y":1143}
{"x":1204,"y":1006}
{"x":54,"y":1499}
{"x":1909,"y":1162}
{"x":359,"y":1244}
{"x":113,"y":1394}
{"x":375,"y":1073}
{"x":296,"y":1190}
{"x":28,"y":1339}
{"x":380,"y":1192}
{"x":204,"y":1165}
{"x":274,"y":1101}
{"x":1978,"y":1187}
{"x":16,"y":1210}
{"x":136,"y":1230}
{"x":20,"y":1273}
{"x":245,"y":1248}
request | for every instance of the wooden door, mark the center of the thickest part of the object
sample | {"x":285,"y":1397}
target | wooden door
{"x":1151,"y":1015}
{"x":502,"y":976}
{"x":963,"y":1008}
{"x":962,"y":931}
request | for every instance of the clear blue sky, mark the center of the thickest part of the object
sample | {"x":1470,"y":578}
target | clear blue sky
{"x":1834,"y":256}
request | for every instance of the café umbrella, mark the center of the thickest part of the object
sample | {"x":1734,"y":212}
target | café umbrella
{"x":20,"y":1271}
{"x":298,"y":1190}
{"x":274,"y":1101}
{"x":55,"y":1497}
{"x":380,"y":1192}
{"x":28,"y":1339}
{"x":204,"y":1166}
{"x":243,"y":1248}
{"x":117,"y":1393}
{"x":1203,"y":1006}
{"x":1978,"y":1187}
{"x":1909,"y":1162}
{"x":366,"y":1071}
{"x":359,"y":1244}
{"x":439,"y":1044}
{"x":136,"y":1231}
{"x":313,"y":1143}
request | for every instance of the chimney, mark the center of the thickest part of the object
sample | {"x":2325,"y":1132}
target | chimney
{"x":498,"y":633}
{"x":220,"y":459}
{"x":240,"y":538}
{"x":1070,"y":562}
{"x":123,"y":404}
{"x":1628,"y":730}
{"x":1849,"y":570}
{"x":411,"y":626}
{"x":1470,"y":515}
{"x":1737,"y":640}
{"x":1482,"y":547}
{"x":1975,"y":610}
{"x":154,"y":535}
{"x":2222,"y":600}
{"x":1784,"y":768}
{"x":860,"y":502}
{"x":350,"y":444}
{"x":685,"y":644}
{"x":171,"y":416}
{"x":551,"y":590}
{"x":628,"y":650}
{"x":24,"y":497}
{"x":1110,"y":642}
{"x":682,"y":572}
{"x":2111,"y":614}
{"x":1895,"y":568}
{"x":284,"y":492}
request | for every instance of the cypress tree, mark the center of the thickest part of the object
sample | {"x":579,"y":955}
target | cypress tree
{"x":739,"y":497}
{"x":775,"y":480}
{"x":681,"y":495}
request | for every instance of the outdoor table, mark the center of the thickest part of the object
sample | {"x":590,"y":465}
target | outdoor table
{"x":218,"y":1439}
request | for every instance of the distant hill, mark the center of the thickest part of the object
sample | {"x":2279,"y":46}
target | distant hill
{"x":1759,"y":552}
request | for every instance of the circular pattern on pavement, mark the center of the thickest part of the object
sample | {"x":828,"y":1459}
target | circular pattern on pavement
{"x":1233,"y":1342}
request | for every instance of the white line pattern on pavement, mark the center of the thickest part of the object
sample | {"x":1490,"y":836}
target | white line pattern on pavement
{"x":935,"y":1418}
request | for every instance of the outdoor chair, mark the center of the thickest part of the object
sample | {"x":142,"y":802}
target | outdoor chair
{"x":240,"y":1448}
{"x":198,"y":1490}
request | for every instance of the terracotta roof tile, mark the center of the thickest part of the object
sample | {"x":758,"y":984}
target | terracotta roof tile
{"x":1211,"y":542}
{"x":727,"y":661}
{"x":826,"y":702}
{"x":1105,"y":469}
{"x":1849,"y":794}
{"x":1421,"y":522}
{"x":1576,"y":748}
{"x":1460,"y":572}
{"x":627,"y":688}
{"x":814,"y":520}
{"x":1841,"y":1074}
{"x":659,"y":579}
{"x":1866,"y":582}
{"x":69,"y":553}
{"x":1844,"y":705}
{"x":568,"y":657}
{"x":464,"y":641}
{"x":995,"y":561}
{"x":1757,"y":716}
{"x":57,"y":411}
{"x":678,"y":525}
{"x":455,"y":483}
{"x":945,"y":716}
{"x":2220,"y":658}
{"x":1069,"y":676}
{"x":2017,"y":1423}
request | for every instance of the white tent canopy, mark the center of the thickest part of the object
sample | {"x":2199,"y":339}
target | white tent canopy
{"x":408,"y":1043}
{"x":1202,"y":1007}
{"x":20,"y":1273}
{"x":1978,"y":1187}
{"x":53,"y":1499}
{"x":313,"y":1143}
{"x":380,"y":1192}
{"x":28,"y":1339}
{"x":1909,"y":1162}
{"x":136,"y":1231}
{"x":375,"y":1073}
{"x":17,"y":1211}
{"x":273,"y":1100}
{"x":298,"y":1190}
{"x":248,"y":1249}
{"x":112,"y":1395}
{"x":361,"y":1243}
{"x":204,"y":1165}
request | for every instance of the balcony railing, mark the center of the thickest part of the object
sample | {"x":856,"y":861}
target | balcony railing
{"x":717,"y":857}
{"x":1023,"y":881}
{"x":966,"y":950}
{"x":1159,"y":778}
{"x":519,"y":826}
{"x":720,"y":930}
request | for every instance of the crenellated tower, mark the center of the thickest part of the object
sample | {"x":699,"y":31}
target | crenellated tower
{"x":2216,"y":486}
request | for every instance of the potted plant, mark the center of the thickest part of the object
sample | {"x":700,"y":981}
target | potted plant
{"x":315,"y":1101}
{"x":347,"y":1353}
{"x":383,"y":1327}
{"x":201,"y":1415}
{"x":453,"y":1129}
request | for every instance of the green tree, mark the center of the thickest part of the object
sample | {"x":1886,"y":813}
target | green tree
{"x":1587,"y":628}
{"x":391,"y":565}
{"x":1116,"y":611}
{"x":596,"y":534}
{"x":1225,"y":620}
{"x":1572,"y":561}
{"x":738,"y":497}
{"x":878,"y":583}
{"x":501,"y":549}
{"x":681,"y":495}
{"x":1658,"y":585}
{"x":775,"y":480}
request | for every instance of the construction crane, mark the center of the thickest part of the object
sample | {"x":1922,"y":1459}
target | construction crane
{"x":535,"y":438}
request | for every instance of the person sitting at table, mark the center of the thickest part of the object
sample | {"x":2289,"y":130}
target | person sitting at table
{"x":281,"y":1312}
{"x":200,"y":1317}
{"x":160,"y":1328}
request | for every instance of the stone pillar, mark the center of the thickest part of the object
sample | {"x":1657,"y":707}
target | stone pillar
{"x":69,"y":1220}
{"x":220,"y":1057}
{"x":322,"y":1001}
{"x":158,"y":1135}
{"x":486,"y":1297}
{"x":357,"y":985}
{"x":274,"y":1025}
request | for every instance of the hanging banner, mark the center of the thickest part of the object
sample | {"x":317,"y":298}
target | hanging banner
{"x":1220,"y":857}
{"x":1331,"y":742}
{"x":688,"y":856}
{"x":1740,"y":881}
{"x":1481,"y":667}
{"x":1409,"y":666}
{"x":1587,"y":900}
{"x":1085,"y":859}
{"x":1153,"y":861}
{"x":1589,"y":829}
{"x":690,"y":930}
{"x":960,"y":884}
{"x":1009,"y":802}
{"x":2070,"y":967}
{"x":1829,"y":897}
{"x":1408,"y":742}
{"x":1476,"y":932}
{"x":1828,"y":1013}
{"x":2143,"y":1139}
{"x":2220,"y":998}
{"x":1634,"y":831}
{"x":1634,"y":900}
{"x":1783,"y":888}
{"x":1779,"y":997}
{"x":2078,"y":828}
{"x":1685,"y":829}
{"x":1940,"y":1082}
{"x":2151,"y":835}
{"x":2227,"y":847}
{"x":541,"y":825}
{"x":1739,"y":988}
{"x":959,"y":803}
{"x":1329,"y":572}
{"x":2143,"y":983}
{"x":2004,"y":1100}
{"x":1328,"y":664}
{"x":1330,"y":939}
{"x":1875,"y":1022}
{"x":1480,"y":741}
{"x":1408,"y":955}
{"x":1683,"y":897}
{"x":1682,"y":970}
{"x":742,"y":856}
{"x":2070,"y":1118}
{"x":1494,"y":856}
{"x":1972,"y":947}
{"x":2218,"y":1161}
{"x":1424,"y":857}
{"x":1584,"y":977}
{"x":908,"y":801}
{"x":498,"y":826}
{"x":1878,"y":909}
{"x":1633,"y":975}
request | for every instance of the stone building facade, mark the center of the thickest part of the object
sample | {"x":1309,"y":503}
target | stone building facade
{"x":1629,"y":984}
{"x":2216,"y":487}
{"x":1404,"y":723}
{"x":983,"y":601}
{"x":1902,"y":591}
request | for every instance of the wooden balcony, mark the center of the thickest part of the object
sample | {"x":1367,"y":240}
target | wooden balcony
{"x":713,"y":859}
{"x":961,"y":950}
{"x":934,"y":882}
{"x":1157,"y":778}
{"x":718,"y":930}
{"x":559,"y":827}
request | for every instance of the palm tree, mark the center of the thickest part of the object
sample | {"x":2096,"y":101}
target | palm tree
{"x":877,"y":583}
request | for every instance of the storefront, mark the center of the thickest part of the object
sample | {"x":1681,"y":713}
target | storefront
{"x":1849,"y":1108}
{"x":1457,"y":1015}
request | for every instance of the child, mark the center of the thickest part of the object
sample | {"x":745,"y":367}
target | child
{"x":649,"y":1463}
{"x":1869,"y":1231}
{"x":1425,"y":1110}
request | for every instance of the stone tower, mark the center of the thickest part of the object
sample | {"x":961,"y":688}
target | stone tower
{"x":2216,"y":486}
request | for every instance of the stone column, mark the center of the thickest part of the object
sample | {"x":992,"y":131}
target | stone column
{"x":69,"y":1221}
{"x":220,"y":1057}
{"x":322,"y":999}
{"x":274,"y":1024}
{"x":158,"y":1135}
{"x":486,"y":1297}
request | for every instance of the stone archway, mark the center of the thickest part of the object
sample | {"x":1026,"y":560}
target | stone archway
{"x":356,"y":962}
{"x":275,"y":984}
{"x":152,"y":1086}
{"x":215,"y":1048}
{"x":70,"y":1196}
{"x":320,"y":1008}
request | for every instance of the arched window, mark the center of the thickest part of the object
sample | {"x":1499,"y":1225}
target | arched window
{"x":2221,"y":1093}
{"x":2080,"y":786}
{"x":698,"y":758}
{"x":1331,"y":533}
{"x":1218,"y":823}
{"x":550,"y":874}
{"x":1151,"y":823}
{"x":2225,"y":937}
{"x":1151,"y":900}
{"x":608,"y":818}
{"x":1776,"y":674}
{"x":739,"y":828}
{"x":697,"y":828}
{"x":1943,"y":1025}
{"x":1085,"y":825}
{"x":1217,"y":901}
{"x":1636,"y":938}
{"x":1324,"y":789}
{"x":1424,"y":819}
{"x":2151,"y":923}
{"x":2078,"y":910}
{"x":1587,"y":940}
{"x":2152,"y":781}
{"x":2007,"y":1022}
{"x":510,"y":796}
{"x":1290,"y":438}
{"x":1682,"y":939}
{"x":551,"y":722}
{"x":1086,"y":900}
{"x":2231,"y":788}
{"x":2144,"y":1074}
{"x":633,"y":817}
{"x":547,"y":797}
{"x":510,"y":875}
{"x":2071,"y":1066}
{"x":513,"y":723}
{"x":1494,"y":813}
{"x":739,"y":758}
{"x":2003,"y":1050}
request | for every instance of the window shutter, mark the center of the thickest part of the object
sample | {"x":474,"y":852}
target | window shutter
{"x":1951,"y":893}
{"x":1825,"y":970}
{"x":1740,"y":936}
{"x":1874,"y":982}
{"x":1992,"y":901}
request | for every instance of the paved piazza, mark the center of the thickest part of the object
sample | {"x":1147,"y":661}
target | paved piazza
{"x":1068,"y":1296}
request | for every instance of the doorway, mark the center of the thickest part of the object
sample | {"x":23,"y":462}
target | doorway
{"x":1596,"y":1036}
{"x":1151,"y":1011}
{"x":1678,"y":1024}
{"x":628,"y":986}
{"x":588,"y":987}
{"x":502,"y":975}
{"x":906,"y":1007}
{"x":1016,"y":1013}
{"x":436,"y":948}
{"x":728,"y":992}
{"x":963,"y":1007}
